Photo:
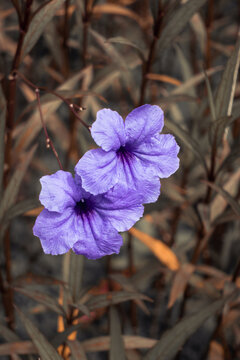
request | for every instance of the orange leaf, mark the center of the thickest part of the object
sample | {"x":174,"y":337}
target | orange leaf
{"x":163,"y":78}
{"x":180,"y":282}
{"x":119,"y":10}
{"x":159,"y":249}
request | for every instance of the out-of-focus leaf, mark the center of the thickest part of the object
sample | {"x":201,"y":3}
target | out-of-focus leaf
{"x":54,"y":43}
{"x":188,"y":140}
{"x":125,"y":41}
{"x":210,"y":97}
{"x":116,"y":342}
{"x":42,"y":298}
{"x":217,"y":128}
{"x":231,"y":201}
{"x":172,"y":340}
{"x":114,"y":55}
{"x":102,"y":343}
{"x":83,"y":308}
{"x":200,"y":30}
{"x":77,"y":351}
{"x":172,"y":99}
{"x":194,"y":80}
{"x":2,"y":136}
{"x":176,"y":21}
{"x":164,"y":78}
{"x":38,"y":23}
{"x":21,"y":207}
{"x":232,"y":156}
{"x":12,"y":189}
{"x":45,"y":349}
{"x":226,"y":88}
{"x":118,"y":10}
{"x":8,"y":334}
{"x":18,"y":347}
{"x":145,"y":273}
{"x":180,"y":282}
{"x":159,"y":249}
{"x":33,"y":279}
{"x":112,"y":298}
{"x":128,"y":286}
{"x":216,"y":351}
{"x":62,"y":336}
{"x":73,"y":274}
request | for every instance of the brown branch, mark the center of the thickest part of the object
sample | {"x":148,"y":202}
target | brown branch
{"x":11,"y":105}
{"x":148,"y":64}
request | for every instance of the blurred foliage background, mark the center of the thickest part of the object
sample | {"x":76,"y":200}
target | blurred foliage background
{"x":173,"y":292}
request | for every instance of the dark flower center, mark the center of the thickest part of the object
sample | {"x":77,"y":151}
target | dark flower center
{"x":124,"y":153}
{"x":83,"y":207}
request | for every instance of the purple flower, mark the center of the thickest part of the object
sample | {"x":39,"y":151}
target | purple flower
{"x":131,"y":152}
{"x":87,"y":224}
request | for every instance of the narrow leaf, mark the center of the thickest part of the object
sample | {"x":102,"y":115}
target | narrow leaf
{"x":173,"y":339}
{"x":38,"y":23}
{"x":45,"y":349}
{"x":20,"y":208}
{"x":177,"y":20}
{"x":2,"y":136}
{"x":18,"y":347}
{"x":188,"y":140}
{"x":180,"y":282}
{"x":125,"y":41}
{"x":112,"y":298}
{"x":75,"y":275}
{"x":210,"y":97}
{"x":102,"y":343}
{"x":195,"y":80}
{"x":115,"y":9}
{"x":77,"y":350}
{"x":160,"y":250}
{"x":128,"y":286}
{"x":231,"y":201}
{"x":116,"y":341}
{"x":11,"y":192}
{"x":226,"y":89}
{"x":43,"y":299}
{"x":8,"y":334}
{"x":163,"y":78}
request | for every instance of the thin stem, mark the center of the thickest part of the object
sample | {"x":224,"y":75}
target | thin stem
{"x":72,"y":107}
{"x":48,"y":140}
{"x":11,"y":103}
{"x":73,"y":128}
{"x":131,"y":270}
{"x":65,"y":38}
{"x":148,"y":64}
{"x":236,"y":272}
{"x":85,"y":19}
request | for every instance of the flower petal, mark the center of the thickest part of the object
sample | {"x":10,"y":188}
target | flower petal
{"x":98,"y":170}
{"x":108,"y":130}
{"x":160,"y":153}
{"x":57,"y":232}
{"x":143,"y":122}
{"x":98,"y":237}
{"x":59,"y":191}
{"x":121,"y":206}
{"x":134,"y":175}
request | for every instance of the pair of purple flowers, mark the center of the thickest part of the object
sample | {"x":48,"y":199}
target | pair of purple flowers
{"x":111,"y":183}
